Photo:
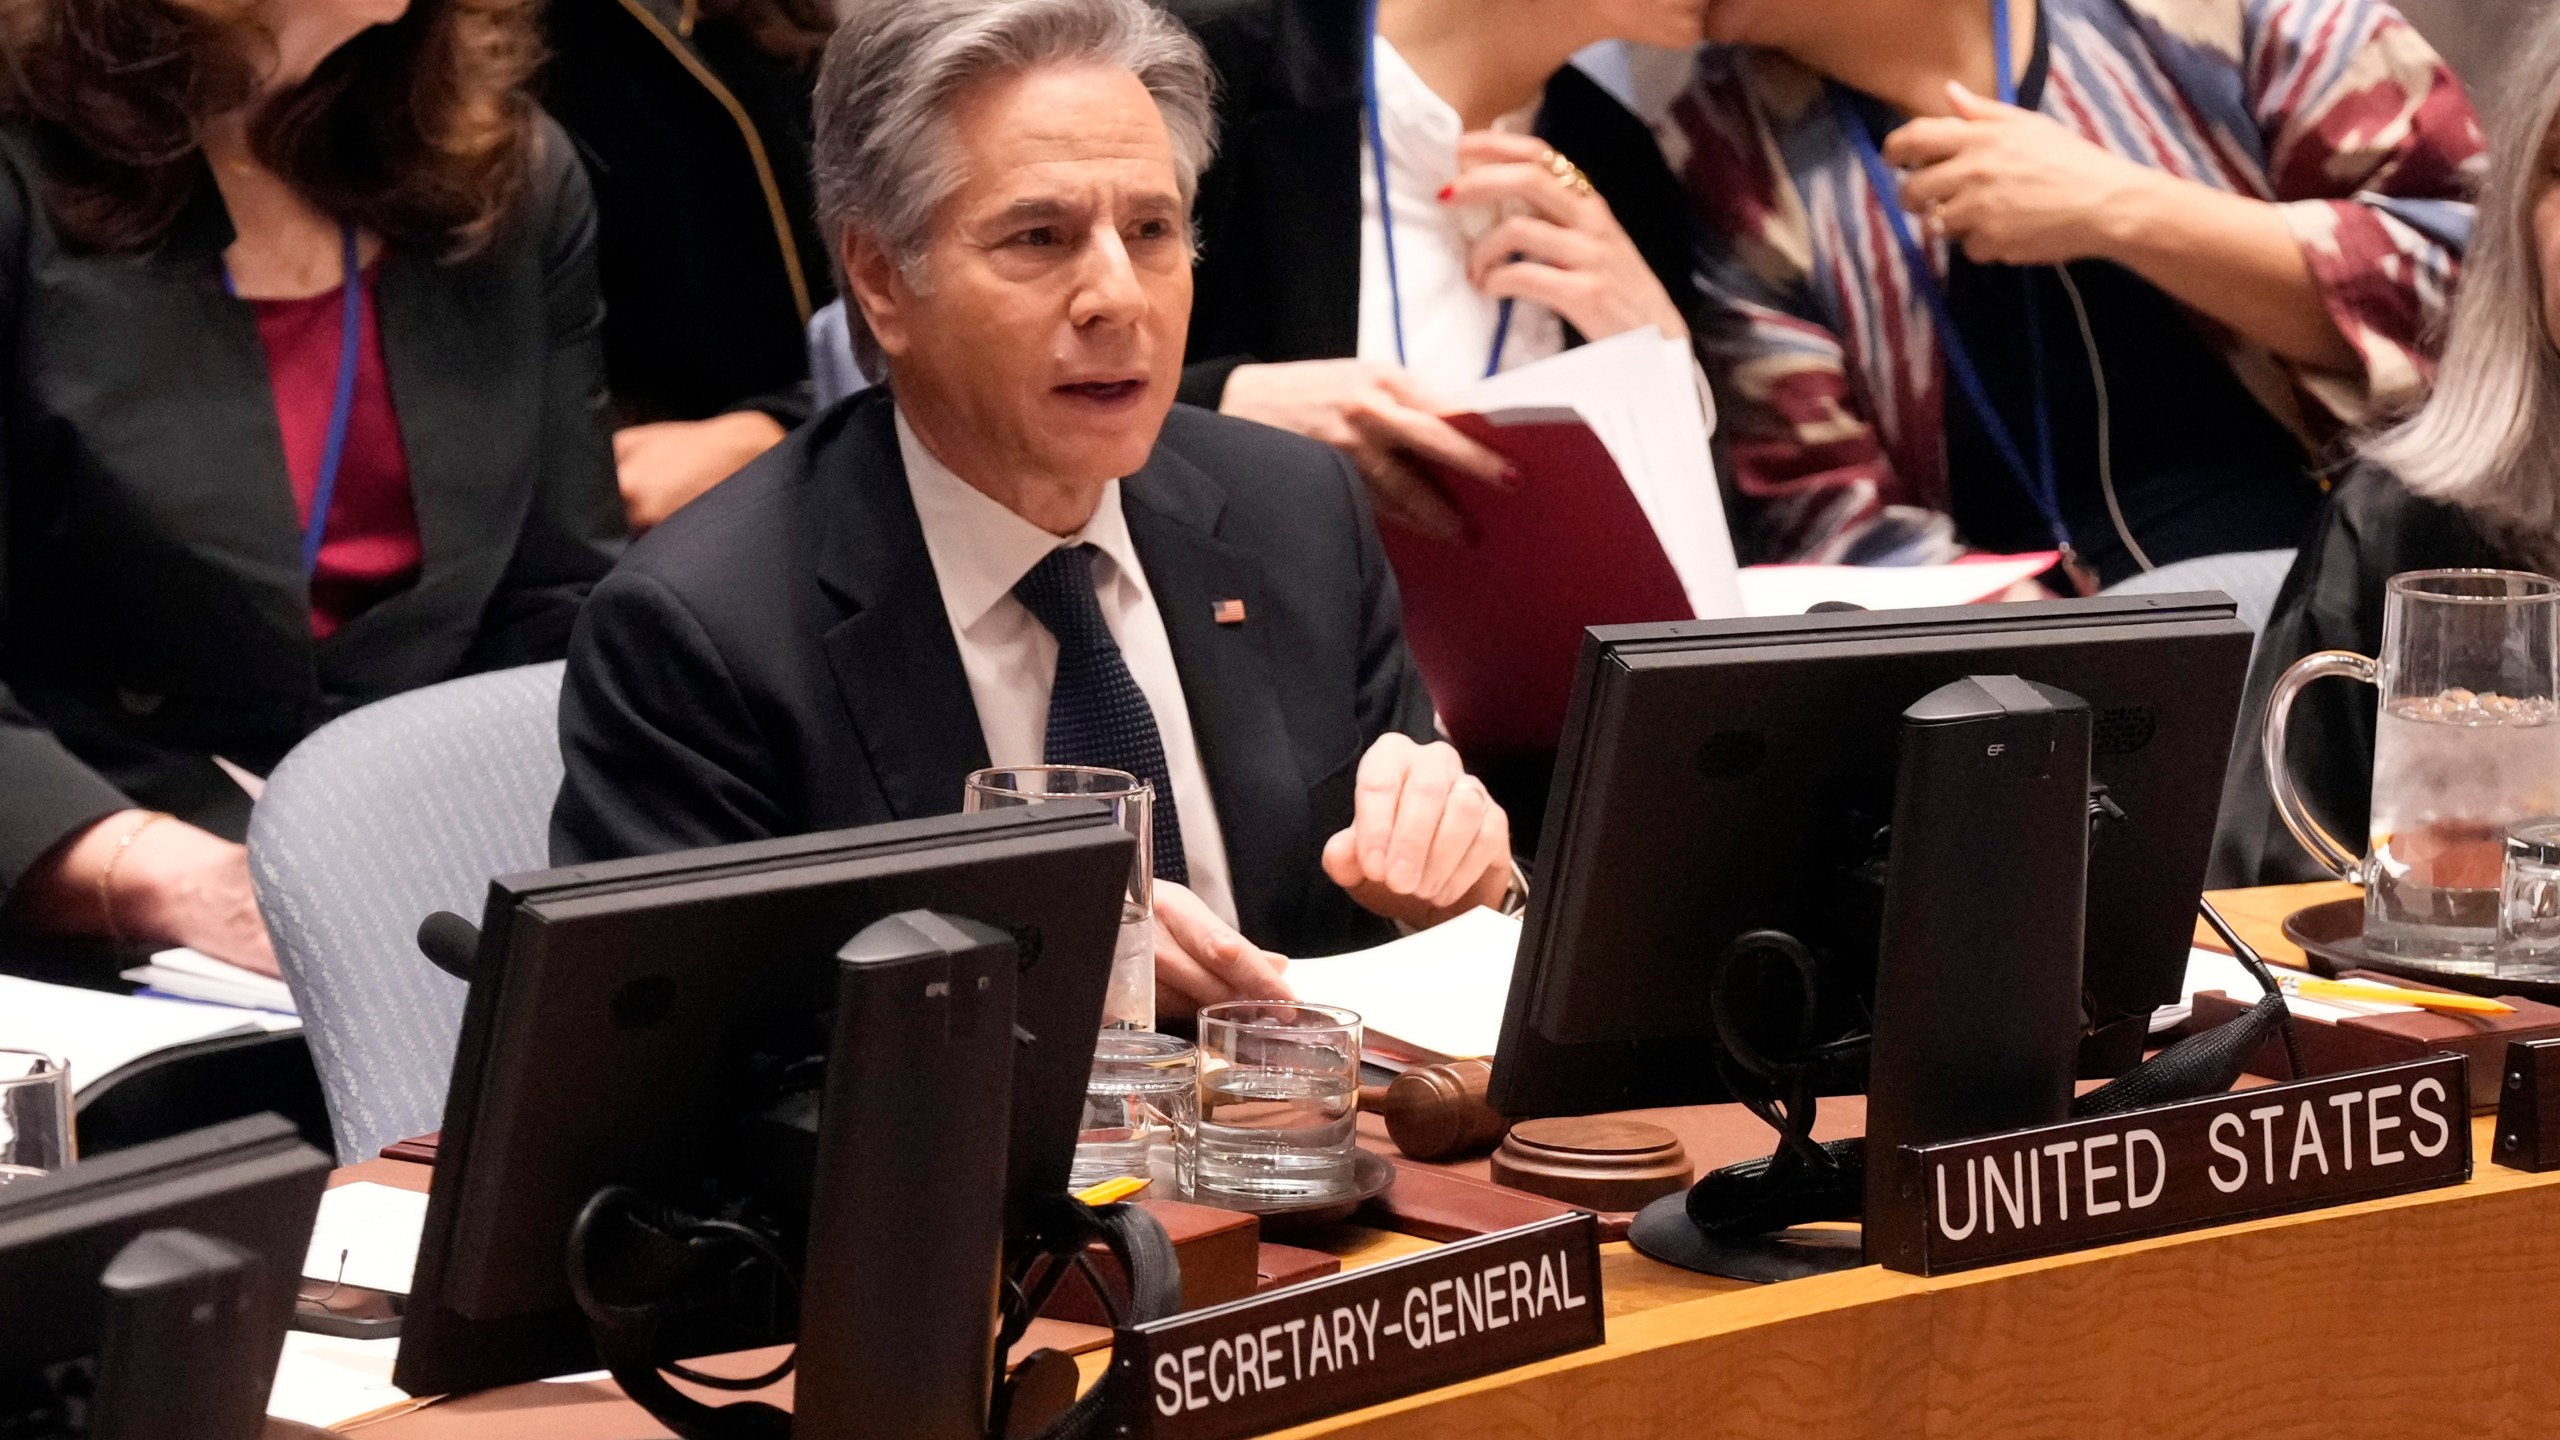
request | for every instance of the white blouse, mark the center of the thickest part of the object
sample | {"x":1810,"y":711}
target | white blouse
{"x":1448,"y":324}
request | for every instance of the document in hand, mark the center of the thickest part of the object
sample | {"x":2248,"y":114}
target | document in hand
{"x":1434,"y":995}
{"x":1616,"y":520}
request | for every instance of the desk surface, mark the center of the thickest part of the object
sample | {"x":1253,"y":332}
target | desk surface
{"x":2418,"y":1316}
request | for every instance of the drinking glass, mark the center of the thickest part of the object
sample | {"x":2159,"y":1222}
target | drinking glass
{"x":2467,"y":744}
{"x":2529,"y":901}
{"x":1279,"y":1091}
{"x":1141,"y":1112}
{"x":1131,"y":1001}
{"x":35,"y":1115}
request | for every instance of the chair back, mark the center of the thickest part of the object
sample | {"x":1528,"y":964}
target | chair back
{"x":377,"y":820}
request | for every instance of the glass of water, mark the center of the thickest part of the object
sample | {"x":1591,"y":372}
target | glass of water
{"x":1131,"y":1001}
{"x":2466,"y":744}
{"x":1141,"y":1113}
{"x":1279,"y":1089}
{"x":2529,"y":903}
{"x":35,"y":1115}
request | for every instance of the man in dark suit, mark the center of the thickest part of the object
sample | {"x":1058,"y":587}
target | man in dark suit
{"x":1018,"y":550}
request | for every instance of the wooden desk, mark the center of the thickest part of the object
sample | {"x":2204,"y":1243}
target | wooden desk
{"x":2419,"y":1316}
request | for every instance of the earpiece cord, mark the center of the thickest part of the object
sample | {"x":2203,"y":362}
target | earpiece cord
{"x":2106,"y":440}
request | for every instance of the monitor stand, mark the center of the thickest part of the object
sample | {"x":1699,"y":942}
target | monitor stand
{"x":1976,"y":983}
{"x":905,"y":1153}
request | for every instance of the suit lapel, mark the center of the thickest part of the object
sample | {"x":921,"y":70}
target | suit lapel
{"x":896,"y":666}
{"x":1227,"y":682}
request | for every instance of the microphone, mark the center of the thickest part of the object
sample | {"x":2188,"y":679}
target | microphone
{"x":452,"y":942}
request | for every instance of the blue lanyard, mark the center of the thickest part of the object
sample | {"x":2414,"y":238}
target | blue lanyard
{"x":1387,"y":208}
{"x":2042,"y":488}
{"x":342,"y":404}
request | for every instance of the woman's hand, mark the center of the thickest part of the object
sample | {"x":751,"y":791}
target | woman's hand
{"x":664,"y":465}
{"x":173,"y":885}
{"x":1380,"y":418}
{"x":2013,"y":187}
{"x":1564,"y":249}
{"x":1202,"y":960}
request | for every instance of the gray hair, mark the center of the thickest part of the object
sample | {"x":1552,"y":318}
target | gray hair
{"x":2488,"y":438}
{"x":895,"y":67}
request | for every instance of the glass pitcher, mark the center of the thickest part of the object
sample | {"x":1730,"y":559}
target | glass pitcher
{"x":2466,"y":744}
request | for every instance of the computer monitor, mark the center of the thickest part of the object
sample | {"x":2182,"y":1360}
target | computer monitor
{"x":625,"y":1019}
{"x":244,"y":1191}
{"x":1713,"y":770}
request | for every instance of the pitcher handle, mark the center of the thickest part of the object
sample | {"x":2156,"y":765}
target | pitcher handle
{"x":2346,"y":864}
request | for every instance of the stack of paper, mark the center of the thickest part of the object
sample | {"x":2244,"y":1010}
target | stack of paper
{"x":1438,"y":993}
{"x":1640,"y":393}
{"x":97,"y":1034}
{"x":366,"y":1235}
{"x":2213,"y":970}
{"x":1615,"y":519}
{"x":330,"y":1383}
{"x":1795,"y":589}
{"x":194,"y":975}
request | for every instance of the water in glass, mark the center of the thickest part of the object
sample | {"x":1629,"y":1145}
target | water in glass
{"x":2452,"y":772}
{"x":1277,"y":1133}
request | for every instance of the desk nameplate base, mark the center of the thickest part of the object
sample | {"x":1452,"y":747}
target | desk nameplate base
{"x":2250,"y":1153}
{"x":1363,"y":1337}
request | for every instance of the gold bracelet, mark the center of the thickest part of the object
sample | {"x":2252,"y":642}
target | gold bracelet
{"x":107,"y":873}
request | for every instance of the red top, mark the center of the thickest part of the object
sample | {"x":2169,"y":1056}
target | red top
{"x":370,"y":549}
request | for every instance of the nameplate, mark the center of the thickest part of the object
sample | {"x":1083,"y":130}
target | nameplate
{"x":2238,"y":1156}
{"x":1366,"y":1336}
{"x":2529,"y":1107}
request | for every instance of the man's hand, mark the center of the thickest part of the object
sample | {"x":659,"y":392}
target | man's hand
{"x":1379,"y":417}
{"x":1425,"y":841}
{"x":174,"y":885}
{"x":664,"y":465}
{"x":1201,"y":960}
{"x":2015,"y":188}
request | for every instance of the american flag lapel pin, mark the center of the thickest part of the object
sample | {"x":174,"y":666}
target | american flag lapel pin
{"x":1227,"y":612}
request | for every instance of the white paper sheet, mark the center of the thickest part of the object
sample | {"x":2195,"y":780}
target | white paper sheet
{"x":2213,"y":970}
{"x":326,"y":1381}
{"x":97,"y":1033}
{"x":1441,"y":989}
{"x":1794,"y":589}
{"x":377,"y":1229}
{"x":194,"y":975}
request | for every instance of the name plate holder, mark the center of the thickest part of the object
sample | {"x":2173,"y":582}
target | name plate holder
{"x":2196,"y":1163}
{"x":1363,"y":1337}
{"x":2529,"y":1108}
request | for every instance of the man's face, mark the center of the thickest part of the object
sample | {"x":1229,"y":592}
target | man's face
{"x":1044,"y":343}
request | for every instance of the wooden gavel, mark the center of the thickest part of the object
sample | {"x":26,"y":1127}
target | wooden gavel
{"x":1438,"y":1112}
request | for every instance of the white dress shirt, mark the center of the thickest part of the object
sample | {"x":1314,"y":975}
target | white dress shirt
{"x":979,"y":550}
{"x":1448,"y":323}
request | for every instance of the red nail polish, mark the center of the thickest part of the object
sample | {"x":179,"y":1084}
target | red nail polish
{"x":1448,"y":190}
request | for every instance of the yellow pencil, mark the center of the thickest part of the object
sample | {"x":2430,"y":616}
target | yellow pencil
{"x":1118,"y":1187}
{"x":2376,"y":993}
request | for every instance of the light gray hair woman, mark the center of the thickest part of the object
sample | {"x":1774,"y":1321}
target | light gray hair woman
{"x":2471,"y":479}
{"x":891,"y":74}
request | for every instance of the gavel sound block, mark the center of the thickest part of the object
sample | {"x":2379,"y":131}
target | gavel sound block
{"x":1437,"y":1113}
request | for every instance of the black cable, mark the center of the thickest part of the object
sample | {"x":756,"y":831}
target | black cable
{"x":2265,"y":975}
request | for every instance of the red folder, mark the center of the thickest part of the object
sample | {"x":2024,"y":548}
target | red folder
{"x":1496,"y":620}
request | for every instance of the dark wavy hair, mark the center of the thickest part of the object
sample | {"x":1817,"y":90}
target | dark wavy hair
{"x":420,"y":130}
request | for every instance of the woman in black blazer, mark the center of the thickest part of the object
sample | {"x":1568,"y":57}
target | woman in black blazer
{"x":201,"y":224}
{"x":1595,"y":243}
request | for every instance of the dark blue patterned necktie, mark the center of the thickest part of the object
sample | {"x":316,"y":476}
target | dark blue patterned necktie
{"x":1097,"y":713}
